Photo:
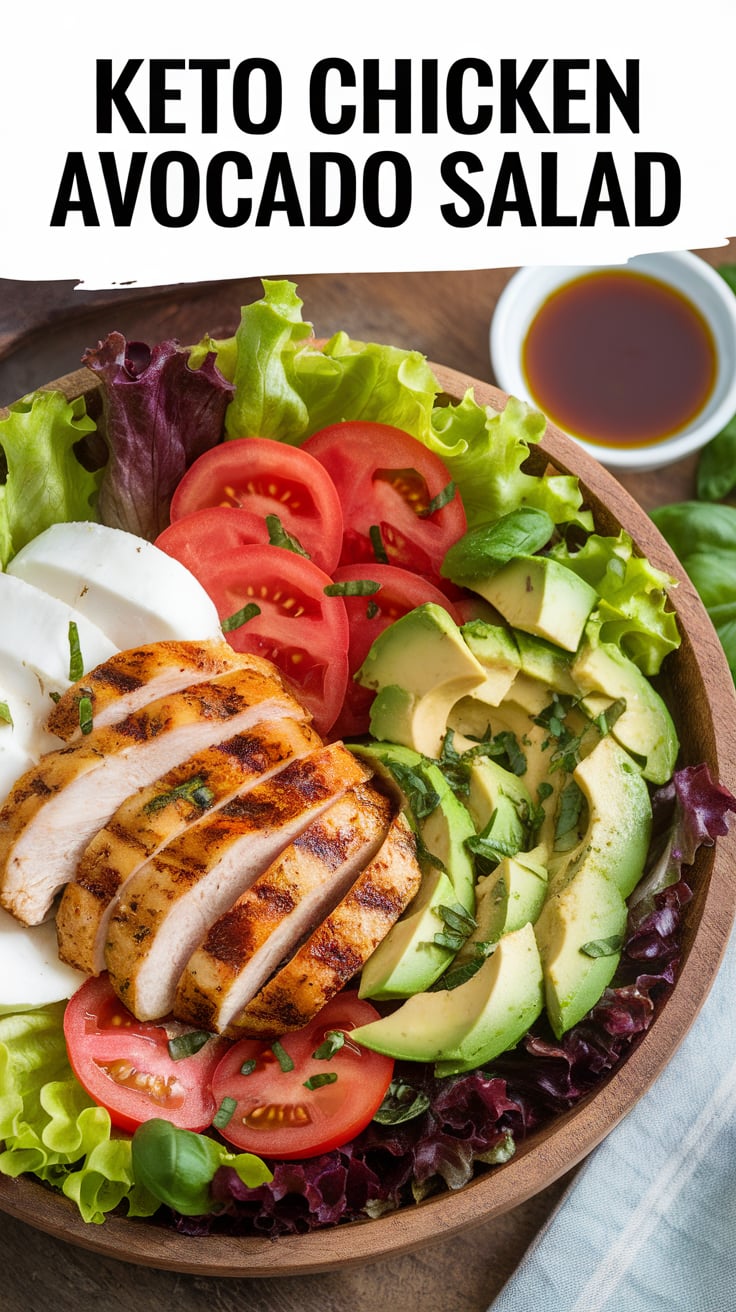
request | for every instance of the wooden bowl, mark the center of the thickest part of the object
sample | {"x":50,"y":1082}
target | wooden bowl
{"x":698,"y":687}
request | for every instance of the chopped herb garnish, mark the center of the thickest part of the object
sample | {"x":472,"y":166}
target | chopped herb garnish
{"x":421,"y":797}
{"x":571,"y":804}
{"x":425,"y":857}
{"x":603,"y":947}
{"x":282,"y":1056}
{"x":379,"y":551}
{"x":566,"y":754}
{"x":372,"y":610}
{"x":278,"y":537}
{"x":185,"y":1045}
{"x":85,"y":714}
{"x":333,"y":1042}
{"x":606,"y":720}
{"x":488,"y":848}
{"x":248,"y":1066}
{"x":224,"y":1113}
{"x":457,"y":975}
{"x":76,"y":663}
{"x":442,"y":499}
{"x":352,"y":588}
{"x":401,"y":1103}
{"x":544,"y":791}
{"x":5,"y":713}
{"x":459,"y":924}
{"x":193,"y":790}
{"x":240,"y":617}
{"x":318,"y":1081}
{"x":55,"y":697}
{"x":456,"y":766}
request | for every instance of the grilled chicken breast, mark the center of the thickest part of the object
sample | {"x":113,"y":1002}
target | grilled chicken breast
{"x":281,"y":908}
{"x":341,"y":945}
{"x":169,"y":906}
{"x":132,"y":678}
{"x":153,"y":816}
{"x":55,"y":808}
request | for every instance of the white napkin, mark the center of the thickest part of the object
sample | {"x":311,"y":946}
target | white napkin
{"x":649,"y":1223}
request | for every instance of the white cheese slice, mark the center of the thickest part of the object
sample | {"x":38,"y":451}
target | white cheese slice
{"x":32,"y":975}
{"x":34,"y":635}
{"x":135,"y":593}
{"x":27,"y":695}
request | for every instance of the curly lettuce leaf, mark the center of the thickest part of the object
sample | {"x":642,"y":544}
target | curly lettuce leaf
{"x":286,"y":388}
{"x":159,"y":415}
{"x":46,"y":482}
{"x":51,"y":1128}
{"x":633,"y":611}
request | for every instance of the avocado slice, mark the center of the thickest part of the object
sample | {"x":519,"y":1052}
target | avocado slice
{"x":498,"y":795}
{"x":408,"y":961}
{"x":546,"y":663}
{"x":510,"y":897}
{"x":645,"y":728}
{"x":542,"y":597}
{"x":496,"y":650}
{"x":579,"y":934}
{"x":419,"y":666}
{"x":472,"y":1023}
{"x":619,"y":815}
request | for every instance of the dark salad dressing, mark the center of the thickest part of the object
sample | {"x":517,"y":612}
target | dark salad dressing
{"x":619,"y":358}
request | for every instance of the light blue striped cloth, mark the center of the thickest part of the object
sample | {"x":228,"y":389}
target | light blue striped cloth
{"x":649,"y":1223}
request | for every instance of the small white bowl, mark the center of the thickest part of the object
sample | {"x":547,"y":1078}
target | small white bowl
{"x":523,"y":295}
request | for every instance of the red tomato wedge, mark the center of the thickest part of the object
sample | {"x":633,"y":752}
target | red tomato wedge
{"x":125,"y":1065}
{"x":315,"y":1105}
{"x":298,"y":627}
{"x":400,"y":591}
{"x":387,"y":479}
{"x":266,"y":477}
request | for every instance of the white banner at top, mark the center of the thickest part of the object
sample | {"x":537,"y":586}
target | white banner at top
{"x":185,"y":142}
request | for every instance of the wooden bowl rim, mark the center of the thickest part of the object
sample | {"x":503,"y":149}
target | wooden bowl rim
{"x":551,"y":1151}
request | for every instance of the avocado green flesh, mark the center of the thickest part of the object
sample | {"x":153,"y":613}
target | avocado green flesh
{"x":408,"y":961}
{"x":472,"y":1023}
{"x":586,"y":910}
{"x":509,"y":898}
{"x":645,"y":728}
{"x":541,"y":597}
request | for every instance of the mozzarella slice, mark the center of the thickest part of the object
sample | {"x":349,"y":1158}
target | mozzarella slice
{"x":32,"y":975}
{"x":27,"y":695}
{"x":34,"y":636}
{"x":134,"y":592}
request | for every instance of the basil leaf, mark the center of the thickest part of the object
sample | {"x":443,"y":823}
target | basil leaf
{"x":192,"y":790}
{"x":333,"y":1042}
{"x":443,"y":498}
{"x":716,"y":472}
{"x":352,"y":588}
{"x":76,"y":663}
{"x":224,"y":1113}
{"x":484,"y":549}
{"x":571,"y":804}
{"x":401,"y":1103}
{"x":422,"y":798}
{"x":282,"y":1057}
{"x":278,"y":537}
{"x":379,"y":551}
{"x":85,"y":714}
{"x":176,"y":1166}
{"x":185,"y":1045}
{"x":5,"y":714}
{"x":240,"y":617}
{"x":318,"y":1081}
{"x":457,"y":975}
{"x":603,"y":947}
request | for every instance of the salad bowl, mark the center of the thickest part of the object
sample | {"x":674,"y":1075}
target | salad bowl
{"x":698,"y":688}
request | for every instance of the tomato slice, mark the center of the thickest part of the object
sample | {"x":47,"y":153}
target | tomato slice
{"x":211,"y":532}
{"x":266,"y":477}
{"x":125,"y":1065}
{"x":277,"y":1113}
{"x":298,"y":627}
{"x":400,"y":592}
{"x":386,"y":478}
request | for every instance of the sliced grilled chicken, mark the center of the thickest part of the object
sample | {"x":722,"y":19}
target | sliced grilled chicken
{"x":151,"y":817}
{"x":140,"y":675}
{"x":54,"y":809}
{"x":289,"y":899}
{"x":341,"y":945}
{"x":170,"y":905}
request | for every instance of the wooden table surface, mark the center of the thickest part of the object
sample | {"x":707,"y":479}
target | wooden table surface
{"x":44,"y":327}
